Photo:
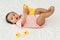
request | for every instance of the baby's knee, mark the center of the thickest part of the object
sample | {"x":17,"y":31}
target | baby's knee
{"x":40,"y":22}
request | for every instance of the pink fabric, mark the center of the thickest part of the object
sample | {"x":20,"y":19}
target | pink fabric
{"x":30,"y":22}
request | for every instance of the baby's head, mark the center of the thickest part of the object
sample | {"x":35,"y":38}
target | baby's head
{"x":12,"y":17}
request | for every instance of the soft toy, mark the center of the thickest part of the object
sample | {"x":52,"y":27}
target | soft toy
{"x":26,"y":32}
{"x":18,"y":35}
{"x":31,"y":10}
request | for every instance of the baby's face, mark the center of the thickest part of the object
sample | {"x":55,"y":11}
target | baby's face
{"x":13,"y":17}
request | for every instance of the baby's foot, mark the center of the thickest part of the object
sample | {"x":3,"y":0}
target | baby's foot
{"x":51,"y":9}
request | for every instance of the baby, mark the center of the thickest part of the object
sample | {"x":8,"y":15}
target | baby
{"x":25,"y":20}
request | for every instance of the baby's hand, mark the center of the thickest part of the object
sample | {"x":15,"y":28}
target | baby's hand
{"x":25,"y":6}
{"x":25,"y":9}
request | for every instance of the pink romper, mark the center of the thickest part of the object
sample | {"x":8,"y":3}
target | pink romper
{"x":30,"y":22}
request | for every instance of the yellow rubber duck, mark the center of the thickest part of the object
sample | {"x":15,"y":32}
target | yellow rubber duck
{"x":18,"y":35}
{"x":26,"y":32}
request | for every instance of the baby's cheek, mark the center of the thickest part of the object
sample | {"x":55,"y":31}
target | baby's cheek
{"x":16,"y":21}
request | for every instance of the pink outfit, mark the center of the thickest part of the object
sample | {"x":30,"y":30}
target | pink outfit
{"x":30,"y":22}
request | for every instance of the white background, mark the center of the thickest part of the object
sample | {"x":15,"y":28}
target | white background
{"x":51,"y":31}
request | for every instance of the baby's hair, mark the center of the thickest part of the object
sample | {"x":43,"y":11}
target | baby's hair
{"x":7,"y":17}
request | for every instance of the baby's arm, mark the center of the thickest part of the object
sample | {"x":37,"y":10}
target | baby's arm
{"x":23,"y":19}
{"x":25,"y":12}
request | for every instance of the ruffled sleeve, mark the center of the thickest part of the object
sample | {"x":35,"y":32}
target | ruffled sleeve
{"x":18,"y":23}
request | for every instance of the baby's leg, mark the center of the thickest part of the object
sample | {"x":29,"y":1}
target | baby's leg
{"x":50,"y":12}
{"x":41,"y":19}
{"x":40,"y":10}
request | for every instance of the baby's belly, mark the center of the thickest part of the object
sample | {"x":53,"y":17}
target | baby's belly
{"x":31,"y":21}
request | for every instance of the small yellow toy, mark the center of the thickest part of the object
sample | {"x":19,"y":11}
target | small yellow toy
{"x":26,"y":32}
{"x":31,"y":10}
{"x":18,"y":35}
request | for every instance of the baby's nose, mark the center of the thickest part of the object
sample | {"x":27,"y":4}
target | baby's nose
{"x":14,"y":17}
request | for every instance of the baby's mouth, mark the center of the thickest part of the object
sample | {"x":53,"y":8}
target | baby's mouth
{"x":17,"y":18}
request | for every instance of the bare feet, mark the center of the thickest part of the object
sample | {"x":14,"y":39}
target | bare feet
{"x":51,"y":9}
